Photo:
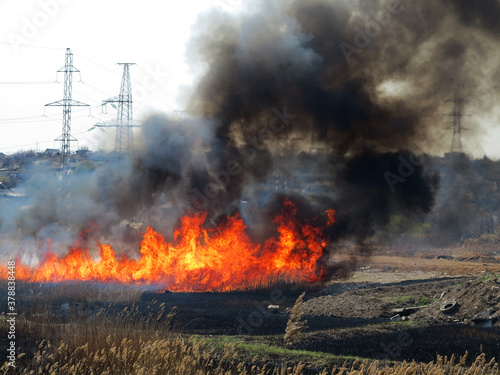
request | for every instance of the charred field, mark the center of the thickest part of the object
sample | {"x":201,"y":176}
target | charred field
{"x":376,"y":315}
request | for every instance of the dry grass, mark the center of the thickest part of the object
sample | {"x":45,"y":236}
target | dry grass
{"x":139,"y":341}
{"x":442,"y":366}
{"x":184,"y":356}
{"x":296,"y":324}
{"x":82,"y":291}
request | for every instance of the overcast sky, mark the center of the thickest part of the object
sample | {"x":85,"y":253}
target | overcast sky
{"x":34,"y":35}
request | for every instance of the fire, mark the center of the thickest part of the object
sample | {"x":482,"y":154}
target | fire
{"x":223,"y":258}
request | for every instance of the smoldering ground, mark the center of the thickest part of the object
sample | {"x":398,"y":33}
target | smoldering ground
{"x":364,"y":81}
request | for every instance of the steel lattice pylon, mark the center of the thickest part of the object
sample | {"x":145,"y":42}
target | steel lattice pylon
{"x":124,"y":122}
{"x":68,"y":69}
{"x":124,"y":133}
{"x":458,"y":109}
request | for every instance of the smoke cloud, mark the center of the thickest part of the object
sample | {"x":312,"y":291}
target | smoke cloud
{"x":365,"y":83}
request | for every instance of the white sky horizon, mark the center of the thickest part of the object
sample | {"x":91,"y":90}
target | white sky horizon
{"x":34,"y":35}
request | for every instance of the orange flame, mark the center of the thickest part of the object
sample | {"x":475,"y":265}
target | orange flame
{"x":199,"y":259}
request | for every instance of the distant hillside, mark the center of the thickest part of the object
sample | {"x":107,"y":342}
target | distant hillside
{"x":466,"y":209}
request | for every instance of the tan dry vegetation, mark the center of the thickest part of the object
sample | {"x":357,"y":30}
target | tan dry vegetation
{"x":296,"y":324}
{"x":405,"y":264}
{"x":127,"y":343}
{"x":134,"y":342}
{"x":186,"y":357}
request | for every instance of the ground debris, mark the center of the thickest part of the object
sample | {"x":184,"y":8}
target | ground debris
{"x":478,"y":298}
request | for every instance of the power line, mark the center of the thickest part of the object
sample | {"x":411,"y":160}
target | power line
{"x":96,"y":63}
{"x":38,"y":142}
{"x":67,"y":102}
{"x":19,"y":118}
{"x":458,"y":108}
{"x":95,"y":88}
{"x":85,"y":96}
{"x":155,"y":89}
{"x":26,"y":145}
{"x":98,"y":71}
{"x":133,"y":80}
{"x":108,"y":68}
{"x":31,"y":46}
{"x":30,"y":118}
{"x":124,"y":123}
{"x":32,"y":121}
{"x":27,"y":83}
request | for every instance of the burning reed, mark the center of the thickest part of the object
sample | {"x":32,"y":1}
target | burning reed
{"x":199,"y":259}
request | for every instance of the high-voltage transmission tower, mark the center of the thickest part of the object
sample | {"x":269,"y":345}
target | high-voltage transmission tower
{"x":282,"y":174}
{"x":457,"y":114}
{"x":66,"y":138}
{"x":124,"y":122}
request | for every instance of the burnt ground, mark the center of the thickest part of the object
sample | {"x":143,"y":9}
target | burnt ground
{"x":346,"y":317}
{"x":353,"y":316}
{"x":351,"y":319}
